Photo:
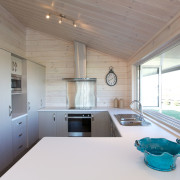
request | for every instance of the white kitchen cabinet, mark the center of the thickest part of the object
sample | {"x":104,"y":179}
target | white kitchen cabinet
{"x":62,"y":124}
{"x":47,"y":124}
{"x":52,"y":124}
{"x":6,"y":155}
{"x":19,"y":135}
{"x":16,"y":65}
{"x":35,"y":98}
{"x":101,"y":124}
{"x":114,"y":131}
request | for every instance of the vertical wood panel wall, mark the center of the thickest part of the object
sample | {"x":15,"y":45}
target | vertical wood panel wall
{"x":12,"y":33}
{"x":58,"y":57}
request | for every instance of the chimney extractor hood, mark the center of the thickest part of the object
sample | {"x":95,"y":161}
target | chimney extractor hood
{"x":80,"y":63}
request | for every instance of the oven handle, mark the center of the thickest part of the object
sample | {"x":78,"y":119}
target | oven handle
{"x":79,"y":117}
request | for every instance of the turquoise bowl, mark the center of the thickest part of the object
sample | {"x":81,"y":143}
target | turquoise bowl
{"x":159,"y":153}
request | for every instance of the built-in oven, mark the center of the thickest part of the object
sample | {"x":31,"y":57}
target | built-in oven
{"x":79,"y":125}
{"x":16,"y":83}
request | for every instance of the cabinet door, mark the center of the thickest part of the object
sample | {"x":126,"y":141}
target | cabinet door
{"x":5,"y":117}
{"x":114,"y":131}
{"x":47,"y":124}
{"x":101,"y":125}
{"x":35,"y":84}
{"x":62,"y":124}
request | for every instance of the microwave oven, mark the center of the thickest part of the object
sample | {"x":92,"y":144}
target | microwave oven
{"x":16,"y":83}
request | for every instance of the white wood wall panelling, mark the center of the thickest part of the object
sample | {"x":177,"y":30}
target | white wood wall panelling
{"x":126,"y":24}
{"x":106,"y":9}
{"x":12,"y":33}
{"x":59,"y":68}
{"x":116,"y":27}
{"x":110,"y":32}
{"x":161,"y":13}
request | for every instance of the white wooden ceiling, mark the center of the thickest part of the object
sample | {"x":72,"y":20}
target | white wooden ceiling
{"x":116,"y":27}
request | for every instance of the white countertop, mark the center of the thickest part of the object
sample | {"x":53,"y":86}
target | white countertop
{"x":67,"y":109}
{"x":86,"y":159}
{"x":83,"y":158}
{"x":15,"y":116}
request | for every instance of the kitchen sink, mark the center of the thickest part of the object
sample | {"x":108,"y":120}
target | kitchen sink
{"x":131,"y":120}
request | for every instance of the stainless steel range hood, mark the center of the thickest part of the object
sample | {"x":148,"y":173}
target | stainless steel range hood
{"x":80,"y":63}
{"x":81,"y":91}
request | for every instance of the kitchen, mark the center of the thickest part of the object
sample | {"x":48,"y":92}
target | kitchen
{"x":34,"y":39}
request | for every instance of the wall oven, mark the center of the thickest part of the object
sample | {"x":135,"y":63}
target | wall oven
{"x":16,"y":83}
{"x":79,"y":125}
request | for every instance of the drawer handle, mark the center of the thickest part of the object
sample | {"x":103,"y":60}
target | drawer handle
{"x":20,"y":123}
{"x":20,"y":135}
{"x":20,"y":146}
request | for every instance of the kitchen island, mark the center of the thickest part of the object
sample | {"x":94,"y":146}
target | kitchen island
{"x":55,"y":158}
{"x":87,"y":158}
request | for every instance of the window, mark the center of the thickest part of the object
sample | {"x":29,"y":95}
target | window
{"x":159,"y":87}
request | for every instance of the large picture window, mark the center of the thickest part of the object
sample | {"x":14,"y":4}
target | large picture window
{"x":159,"y":86}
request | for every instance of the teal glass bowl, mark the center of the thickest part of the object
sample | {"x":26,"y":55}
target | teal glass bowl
{"x":159,"y":153}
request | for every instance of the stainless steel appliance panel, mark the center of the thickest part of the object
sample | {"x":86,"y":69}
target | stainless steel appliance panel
{"x":81,"y":94}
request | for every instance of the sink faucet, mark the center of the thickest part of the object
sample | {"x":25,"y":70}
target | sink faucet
{"x":140,"y":108}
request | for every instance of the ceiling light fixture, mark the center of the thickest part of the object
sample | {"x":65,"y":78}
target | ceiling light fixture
{"x":74,"y":24}
{"x":62,"y":18}
{"x":47,"y":16}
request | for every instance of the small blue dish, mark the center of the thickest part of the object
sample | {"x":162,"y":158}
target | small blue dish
{"x":159,"y":153}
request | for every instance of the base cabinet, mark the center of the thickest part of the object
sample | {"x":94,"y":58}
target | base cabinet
{"x":52,"y":124}
{"x":101,"y":124}
{"x":55,"y":124}
{"x":114,"y":131}
{"x":19,"y":136}
{"x":47,"y":124}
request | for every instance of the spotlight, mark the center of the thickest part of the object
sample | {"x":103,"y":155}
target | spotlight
{"x":74,"y":24}
{"x":47,"y":16}
{"x":60,"y":21}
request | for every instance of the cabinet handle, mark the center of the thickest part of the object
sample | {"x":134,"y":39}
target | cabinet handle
{"x":29,"y":106}
{"x":12,"y":65}
{"x":20,"y":135}
{"x":92,"y":117}
{"x":10,"y":110}
{"x":54,"y":117}
{"x":20,"y":123}
{"x":65,"y":117}
{"x":20,"y":146}
{"x":15,"y":65}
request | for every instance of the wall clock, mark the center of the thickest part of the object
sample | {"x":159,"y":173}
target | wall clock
{"x":111,"y":78}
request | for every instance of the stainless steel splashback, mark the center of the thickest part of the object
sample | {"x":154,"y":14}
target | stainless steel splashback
{"x":81,"y":94}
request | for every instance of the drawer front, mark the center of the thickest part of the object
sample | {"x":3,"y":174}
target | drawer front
{"x":19,"y":136}
{"x":19,"y":146}
{"x":19,"y":125}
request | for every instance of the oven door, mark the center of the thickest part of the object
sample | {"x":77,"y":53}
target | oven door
{"x":79,"y":125}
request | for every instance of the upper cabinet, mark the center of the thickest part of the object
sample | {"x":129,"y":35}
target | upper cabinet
{"x":16,"y":65}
